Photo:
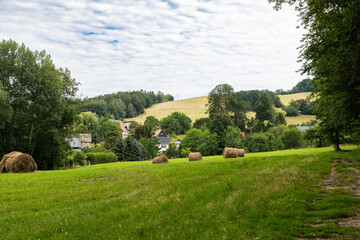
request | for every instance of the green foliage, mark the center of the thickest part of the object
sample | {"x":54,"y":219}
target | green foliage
{"x":279,"y":119}
{"x":264,"y":108}
{"x":124,"y":104}
{"x":234,"y":138}
{"x":79,"y":157}
{"x":185,"y":152}
{"x":176,"y":123}
{"x":223,"y":100}
{"x":331,"y":54}
{"x":260,"y":142}
{"x":40,"y":104}
{"x":192,"y":139}
{"x":209,"y":144}
{"x":111,"y":132}
{"x":201,"y":123}
{"x":153,"y":123}
{"x":220,"y":123}
{"x":291,"y":111}
{"x":172,"y":151}
{"x":292,"y":138}
{"x":101,"y":157}
{"x":119,"y":150}
{"x":132,"y":151}
{"x":219,"y":99}
{"x":252,"y":96}
{"x":302,"y":86}
{"x":150,"y":148}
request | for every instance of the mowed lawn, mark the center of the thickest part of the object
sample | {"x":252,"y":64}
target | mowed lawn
{"x":275,"y":195}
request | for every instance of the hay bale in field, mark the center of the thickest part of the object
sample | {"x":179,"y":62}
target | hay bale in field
{"x":230,"y":153}
{"x":160,"y":159}
{"x":76,"y":166}
{"x":195,"y":156}
{"x":17,"y":162}
{"x":241,"y":152}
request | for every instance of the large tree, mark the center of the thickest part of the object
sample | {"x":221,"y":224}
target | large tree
{"x":331,"y":54}
{"x":42,"y":101}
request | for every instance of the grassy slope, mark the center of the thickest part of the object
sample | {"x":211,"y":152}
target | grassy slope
{"x":263,"y":196}
{"x":195,"y":108}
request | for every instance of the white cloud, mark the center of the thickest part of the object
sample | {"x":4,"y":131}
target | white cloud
{"x":182,"y":47}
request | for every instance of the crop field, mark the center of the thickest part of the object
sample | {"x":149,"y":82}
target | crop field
{"x":292,"y":194}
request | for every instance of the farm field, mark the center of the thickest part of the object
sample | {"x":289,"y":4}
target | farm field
{"x":195,"y":108}
{"x":286,"y":99}
{"x":292,"y":194}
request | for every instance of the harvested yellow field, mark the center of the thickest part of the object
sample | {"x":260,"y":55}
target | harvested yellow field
{"x":299,"y":119}
{"x":194,"y":108}
{"x":286,"y":99}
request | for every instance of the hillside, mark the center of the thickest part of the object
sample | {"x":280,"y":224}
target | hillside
{"x":286,"y":99}
{"x":275,"y":195}
{"x":195,"y":108}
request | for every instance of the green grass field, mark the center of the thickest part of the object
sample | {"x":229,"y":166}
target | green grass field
{"x":195,"y":108}
{"x":275,"y":195}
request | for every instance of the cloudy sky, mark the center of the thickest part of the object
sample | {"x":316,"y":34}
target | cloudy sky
{"x":181,"y":47}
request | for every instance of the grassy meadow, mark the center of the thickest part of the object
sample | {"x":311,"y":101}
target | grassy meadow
{"x":274,"y":195}
{"x":195,"y":108}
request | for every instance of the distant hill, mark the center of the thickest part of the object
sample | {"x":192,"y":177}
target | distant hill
{"x":195,"y":108}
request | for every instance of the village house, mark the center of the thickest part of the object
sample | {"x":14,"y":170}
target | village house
{"x":125,"y":130}
{"x":162,"y":140}
{"x":82,"y":140}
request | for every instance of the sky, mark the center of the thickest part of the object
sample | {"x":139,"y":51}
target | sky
{"x":181,"y":47}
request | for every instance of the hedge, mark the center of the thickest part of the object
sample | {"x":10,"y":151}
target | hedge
{"x":101,"y":157}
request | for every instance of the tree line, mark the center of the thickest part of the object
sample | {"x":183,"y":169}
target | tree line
{"x":122,"y":105}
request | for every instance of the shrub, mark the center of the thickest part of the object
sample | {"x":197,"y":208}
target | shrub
{"x":172,"y":151}
{"x":79,"y":157}
{"x":292,"y":138}
{"x":260,"y":142}
{"x":234,"y":138}
{"x":291,"y":111}
{"x":101,"y":157}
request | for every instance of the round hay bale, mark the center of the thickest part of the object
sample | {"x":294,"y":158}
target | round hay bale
{"x":76,"y":166}
{"x":17,"y":162}
{"x":230,"y":153}
{"x":195,"y":156}
{"x":160,"y":159}
{"x":241,"y":152}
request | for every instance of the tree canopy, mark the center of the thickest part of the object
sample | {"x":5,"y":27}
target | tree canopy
{"x":331,"y":54}
{"x":39,"y":101}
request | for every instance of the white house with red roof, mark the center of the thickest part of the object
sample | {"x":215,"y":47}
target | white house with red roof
{"x":124,"y":128}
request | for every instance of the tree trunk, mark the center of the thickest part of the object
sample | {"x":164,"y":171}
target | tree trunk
{"x":337,"y":141}
{"x":30,"y":138}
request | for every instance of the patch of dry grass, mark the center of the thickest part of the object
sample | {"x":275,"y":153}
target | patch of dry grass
{"x":286,"y":99}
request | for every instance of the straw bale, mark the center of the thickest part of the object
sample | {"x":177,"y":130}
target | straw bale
{"x":241,"y":152}
{"x":160,"y":159}
{"x":230,"y":153}
{"x":195,"y":156}
{"x":17,"y":162}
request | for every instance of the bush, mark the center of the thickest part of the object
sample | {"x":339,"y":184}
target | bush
{"x":101,"y":157}
{"x":79,"y":157}
{"x":234,"y":138}
{"x":261,"y":142}
{"x":292,"y":138}
{"x":291,"y":111}
{"x":172,"y":151}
